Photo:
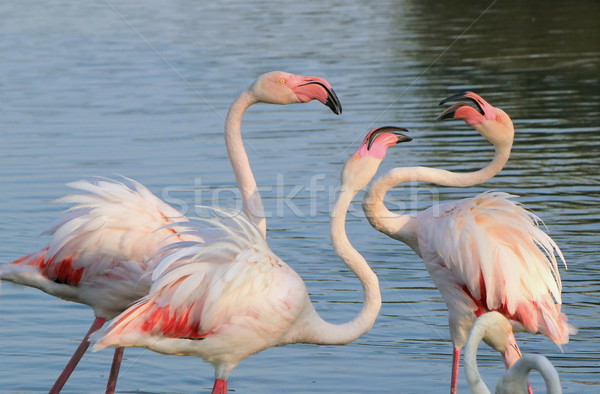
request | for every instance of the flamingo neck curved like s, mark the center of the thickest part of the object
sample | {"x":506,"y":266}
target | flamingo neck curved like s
{"x":324,"y":333}
{"x":251,"y":201}
{"x":403,"y":227}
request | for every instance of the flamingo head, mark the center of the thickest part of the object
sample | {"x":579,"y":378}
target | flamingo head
{"x":278,"y":87}
{"x":491,"y":122}
{"x":361,"y":167}
{"x":498,"y":334}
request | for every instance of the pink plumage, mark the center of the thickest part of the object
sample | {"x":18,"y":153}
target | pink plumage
{"x":488,"y":253}
{"x":227,"y":300}
{"x":100,"y":248}
{"x":98,"y":253}
{"x":485,"y":253}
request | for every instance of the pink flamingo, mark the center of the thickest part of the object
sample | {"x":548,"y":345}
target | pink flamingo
{"x":484,"y":253}
{"x":100,"y":247}
{"x":495,"y":329}
{"x":227,"y":301}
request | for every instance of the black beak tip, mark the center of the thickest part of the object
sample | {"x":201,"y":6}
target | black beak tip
{"x":463,"y":95}
{"x":336,"y":108}
{"x":403,"y":138}
{"x":333,"y":102}
{"x":453,"y":97}
{"x":445,"y":115}
{"x":450,"y":112}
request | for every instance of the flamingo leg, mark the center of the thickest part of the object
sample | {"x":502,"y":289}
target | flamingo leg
{"x":114,"y":371}
{"x":64,"y":376}
{"x":220,"y":387}
{"x":455,"y":367}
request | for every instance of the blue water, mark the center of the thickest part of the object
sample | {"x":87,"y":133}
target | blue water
{"x":141,"y":88}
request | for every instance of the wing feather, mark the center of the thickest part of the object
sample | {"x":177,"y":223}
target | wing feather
{"x":496,"y":251}
{"x":200,"y":287}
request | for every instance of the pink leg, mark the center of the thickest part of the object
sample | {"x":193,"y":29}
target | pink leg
{"x":64,"y":376}
{"x":114,"y":371}
{"x":220,"y":387}
{"x":455,"y":367}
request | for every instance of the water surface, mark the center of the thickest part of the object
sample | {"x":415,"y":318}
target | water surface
{"x":141,"y":89}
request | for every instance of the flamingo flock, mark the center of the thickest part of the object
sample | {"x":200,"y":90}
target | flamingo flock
{"x":211,"y":287}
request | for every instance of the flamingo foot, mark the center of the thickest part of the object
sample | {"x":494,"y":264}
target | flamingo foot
{"x":220,"y":387}
{"x":529,"y":389}
{"x":455,"y":367}
{"x":114,"y":371}
{"x":85,"y":343}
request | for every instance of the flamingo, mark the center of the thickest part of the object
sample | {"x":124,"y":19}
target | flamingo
{"x":227,"y":301}
{"x":100,"y":247}
{"x":484,"y":253}
{"x":496,"y":331}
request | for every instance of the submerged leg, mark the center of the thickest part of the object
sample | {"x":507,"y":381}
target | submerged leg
{"x":220,"y":387}
{"x":455,"y":367}
{"x":64,"y":376}
{"x":114,"y":371}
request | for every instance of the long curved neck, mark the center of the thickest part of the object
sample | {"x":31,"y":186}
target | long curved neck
{"x":521,"y":369}
{"x":474,"y":379}
{"x":322,"y":332}
{"x":251,"y":201}
{"x":398,"y":226}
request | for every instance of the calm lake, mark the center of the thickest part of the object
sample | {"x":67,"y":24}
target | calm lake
{"x":140,"y":89}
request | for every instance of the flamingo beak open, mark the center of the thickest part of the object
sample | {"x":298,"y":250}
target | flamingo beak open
{"x":388,"y":129}
{"x":451,"y":111}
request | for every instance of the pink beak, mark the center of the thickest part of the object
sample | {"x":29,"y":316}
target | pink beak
{"x":471,"y":115}
{"x":310,"y":88}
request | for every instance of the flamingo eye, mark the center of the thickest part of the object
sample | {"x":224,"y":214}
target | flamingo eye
{"x":282,"y":81}
{"x":497,"y":119}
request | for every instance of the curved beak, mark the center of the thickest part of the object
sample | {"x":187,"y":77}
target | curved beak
{"x":332,"y":100}
{"x":450,"y":112}
{"x":512,"y":353}
{"x":388,"y":129}
{"x":479,"y":102}
{"x":474,"y":97}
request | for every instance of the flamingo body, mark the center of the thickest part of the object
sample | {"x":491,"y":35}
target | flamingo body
{"x":99,"y":248}
{"x":221,"y":302}
{"x":98,"y":254}
{"x":227,"y":300}
{"x":487,"y":253}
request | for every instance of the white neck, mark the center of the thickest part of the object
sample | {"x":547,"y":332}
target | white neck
{"x":321,"y":332}
{"x":400,"y":226}
{"x":516,"y":377}
{"x":251,"y":201}
{"x":474,"y":380}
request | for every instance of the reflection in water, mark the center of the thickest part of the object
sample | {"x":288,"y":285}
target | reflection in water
{"x":83,"y":95}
